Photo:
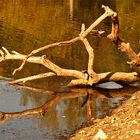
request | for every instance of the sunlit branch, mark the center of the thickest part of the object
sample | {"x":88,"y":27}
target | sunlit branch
{"x":87,"y":77}
{"x":108,"y":12}
{"x":34,"y":77}
{"x":124,"y":47}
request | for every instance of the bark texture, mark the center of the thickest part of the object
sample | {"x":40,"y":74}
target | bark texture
{"x":90,"y":77}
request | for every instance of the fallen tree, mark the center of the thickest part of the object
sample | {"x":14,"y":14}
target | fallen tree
{"x":88,"y":77}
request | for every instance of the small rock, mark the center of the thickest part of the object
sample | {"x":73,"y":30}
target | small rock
{"x":126,"y":136}
{"x":134,"y":122}
{"x":112,"y":137}
{"x":116,"y":124}
{"x":137,"y":132}
{"x":139,"y":107}
{"x":138,"y":112}
{"x":82,"y":132}
{"x":100,"y":135}
{"x":88,"y":135}
{"x":113,"y":120}
{"x":133,"y":98}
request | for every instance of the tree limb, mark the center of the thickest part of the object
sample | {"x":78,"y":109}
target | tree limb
{"x":45,"y":62}
{"x":34,"y":77}
{"x":108,"y":12}
{"x":124,"y":47}
{"x":82,"y":78}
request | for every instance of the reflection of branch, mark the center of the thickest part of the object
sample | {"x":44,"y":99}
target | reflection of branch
{"x":85,"y":101}
{"x":71,"y":8}
{"x":74,"y":93}
{"x":42,"y":109}
{"x":35,"y":89}
{"x":90,"y":112}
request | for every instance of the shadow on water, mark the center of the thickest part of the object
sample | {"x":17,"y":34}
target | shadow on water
{"x":27,"y":25}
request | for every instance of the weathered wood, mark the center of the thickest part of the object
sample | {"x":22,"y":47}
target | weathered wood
{"x":124,"y":47}
{"x":108,"y":12}
{"x":88,"y":78}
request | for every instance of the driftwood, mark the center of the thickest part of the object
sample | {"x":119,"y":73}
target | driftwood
{"x":88,"y":78}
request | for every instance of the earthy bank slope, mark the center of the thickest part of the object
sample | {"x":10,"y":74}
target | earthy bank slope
{"x":123,"y":124}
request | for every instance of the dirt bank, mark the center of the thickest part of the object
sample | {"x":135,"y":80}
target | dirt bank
{"x":123,"y":124}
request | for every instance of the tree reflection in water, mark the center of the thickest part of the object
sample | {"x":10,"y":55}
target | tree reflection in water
{"x":93,"y":102}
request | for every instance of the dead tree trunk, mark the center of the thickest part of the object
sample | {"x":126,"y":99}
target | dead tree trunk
{"x":89,"y":78}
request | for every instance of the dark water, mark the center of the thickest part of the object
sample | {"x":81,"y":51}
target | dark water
{"x":27,"y":25}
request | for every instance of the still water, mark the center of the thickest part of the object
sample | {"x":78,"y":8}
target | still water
{"x":27,"y":25}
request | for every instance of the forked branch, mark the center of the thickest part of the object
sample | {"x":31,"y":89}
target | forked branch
{"x":108,"y":12}
{"x":88,"y":77}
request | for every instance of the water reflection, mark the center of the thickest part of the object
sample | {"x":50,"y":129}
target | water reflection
{"x":71,"y":9}
{"x":54,"y":114}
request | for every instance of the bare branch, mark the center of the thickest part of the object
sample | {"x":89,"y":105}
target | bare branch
{"x":108,"y":12}
{"x":82,"y":29}
{"x":82,"y":78}
{"x":91,"y":56}
{"x":77,"y":82}
{"x":127,"y":78}
{"x":18,"y":69}
{"x":2,"y":55}
{"x":34,"y":77}
{"x":125,"y":47}
{"x":119,"y":76}
{"x":62,"y":72}
{"x":15,"y":52}
{"x":44,"y":48}
{"x":47,"y":63}
{"x":5,"y":50}
{"x":97,"y":32}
